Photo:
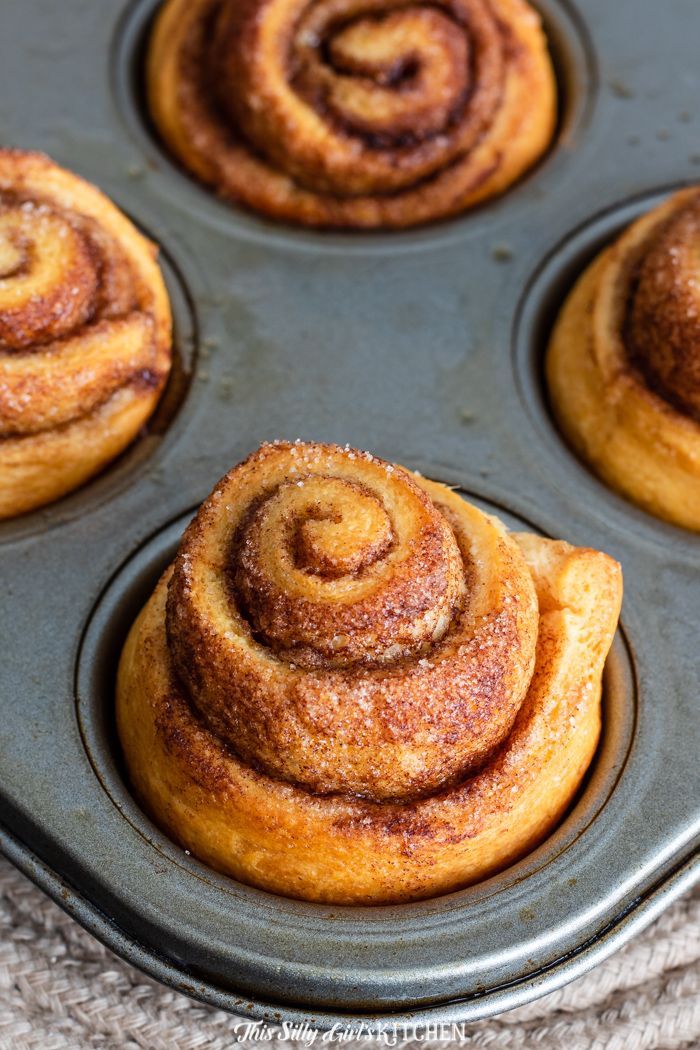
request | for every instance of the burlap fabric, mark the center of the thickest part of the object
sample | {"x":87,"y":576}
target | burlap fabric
{"x":60,"y":989}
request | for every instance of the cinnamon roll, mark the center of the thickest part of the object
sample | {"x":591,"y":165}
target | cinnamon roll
{"x":353,"y":686}
{"x":353,"y":113}
{"x":85,"y":340}
{"x":623,"y":365}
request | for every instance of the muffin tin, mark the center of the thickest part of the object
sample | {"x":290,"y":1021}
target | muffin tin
{"x":425,"y":347}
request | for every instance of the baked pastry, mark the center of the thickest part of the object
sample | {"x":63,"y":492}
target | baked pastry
{"x":346,"y":113}
{"x":623,"y":365}
{"x":353,"y":686}
{"x":85,"y":340}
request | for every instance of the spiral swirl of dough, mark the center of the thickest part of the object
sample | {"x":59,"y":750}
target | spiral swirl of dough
{"x":84,"y":330}
{"x":343,"y":631}
{"x":623,"y":364}
{"x":353,"y":112}
{"x":353,"y":686}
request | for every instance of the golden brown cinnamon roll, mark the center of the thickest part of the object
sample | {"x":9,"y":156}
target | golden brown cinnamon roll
{"x":85,"y":341}
{"x":353,"y":686}
{"x":353,"y":113}
{"x":623,"y":366}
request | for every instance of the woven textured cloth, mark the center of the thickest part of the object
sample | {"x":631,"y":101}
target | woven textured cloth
{"x":62,"y":990}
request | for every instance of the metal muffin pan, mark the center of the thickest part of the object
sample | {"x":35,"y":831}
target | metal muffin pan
{"x":426,"y":347}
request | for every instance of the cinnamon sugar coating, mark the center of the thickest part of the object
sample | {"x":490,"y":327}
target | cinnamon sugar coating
{"x":353,"y":113}
{"x":623,"y":364}
{"x":333,"y":758}
{"x":84,"y":331}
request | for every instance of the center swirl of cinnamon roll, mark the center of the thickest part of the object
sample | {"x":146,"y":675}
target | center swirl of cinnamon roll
{"x":663,"y":321}
{"x":48,"y":275}
{"x":337,"y":627}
